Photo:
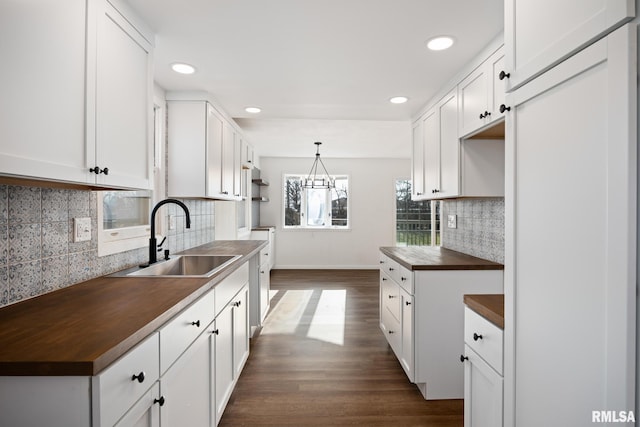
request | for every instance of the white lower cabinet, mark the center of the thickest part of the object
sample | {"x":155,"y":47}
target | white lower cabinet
{"x":185,"y":389}
{"x":422,"y":318}
{"x":146,"y":412}
{"x":483,"y":381}
{"x":223,"y":360}
{"x":482,"y":392}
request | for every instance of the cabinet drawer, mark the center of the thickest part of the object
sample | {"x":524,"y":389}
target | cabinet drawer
{"x":115,"y":389}
{"x":484,"y":338}
{"x":391,"y":328}
{"x":183,"y":329}
{"x":230,"y":286}
{"x":405,"y":279}
{"x":389,"y":296}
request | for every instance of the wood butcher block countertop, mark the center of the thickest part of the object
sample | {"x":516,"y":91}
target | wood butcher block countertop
{"x":82,"y":329}
{"x":489,"y":306}
{"x":437,"y":258}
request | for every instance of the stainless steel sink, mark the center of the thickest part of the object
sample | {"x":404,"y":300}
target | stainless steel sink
{"x":187,"y":266}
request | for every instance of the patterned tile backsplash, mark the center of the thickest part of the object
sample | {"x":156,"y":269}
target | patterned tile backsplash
{"x":37,"y":251}
{"x":480,"y":227}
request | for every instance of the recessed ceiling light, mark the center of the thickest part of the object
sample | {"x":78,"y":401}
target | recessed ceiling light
{"x":252,"y":110}
{"x":183,"y":68}
{"x":398,"y":99}
{"x":440,"y":43}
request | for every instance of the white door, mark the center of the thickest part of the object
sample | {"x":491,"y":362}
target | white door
{"x":186,"y":389}
{"x":538,"y":34}
{"x":146,"y":412}
{"x":431,"y":135}
{"x":224,"y":359}
{"x":482,"y":392}
{"x":417,"y":162}
{"x":120,"y":125}
{"x":449,"y":146}
{"x":473,"y":101}
{"x":407,"y":334}
{"x":42,"y":105}
{"x":571,"y":238}
{"x":214,"y":153}
{"x":240,"y":331}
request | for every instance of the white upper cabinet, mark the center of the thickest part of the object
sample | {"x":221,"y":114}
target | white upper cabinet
{"x":436,"y":151}
{"x":204,"y":152}
{"x":85,"y":53}
{"x":118,"y":127}
{"x":481,"y":95}
{"x":567,"y":26}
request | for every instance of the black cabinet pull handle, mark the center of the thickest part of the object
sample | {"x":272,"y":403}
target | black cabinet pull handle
{"x":482,"y":115}
{"x":487,"y":114}
{"x":196,"y":323}
{"x":381,"y":262}
{"x":403,"y":278}
{"x":502,"y":75}
{"x":463,"y":358}
{"x":139,"y":377}
{"x":98,"y":171}
{"x":216,"y":331}
{"x":384,"y":279}
{"x":407,"y":303}
{"x":391,"y":268}
{"x":391,"y":332}
{"x":105,"y":171}
{"x":418,"y":194}
{"x":391,"y":296}
{"x":504,"y":108}
{"x":476,"y":337}
{"x":159,"y":401}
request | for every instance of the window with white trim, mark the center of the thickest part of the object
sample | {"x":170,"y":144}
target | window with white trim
{"x":315,"y":208}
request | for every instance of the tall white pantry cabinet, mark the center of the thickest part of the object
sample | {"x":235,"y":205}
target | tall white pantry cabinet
{"x":570,"y":211}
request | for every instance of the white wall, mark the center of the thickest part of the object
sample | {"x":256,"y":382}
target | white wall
{"x":372,"y":213}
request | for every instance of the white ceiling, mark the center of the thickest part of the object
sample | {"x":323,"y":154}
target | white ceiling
{"x":321,"y":70}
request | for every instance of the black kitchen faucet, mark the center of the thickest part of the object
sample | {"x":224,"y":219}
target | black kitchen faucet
{"x":152,"y":240}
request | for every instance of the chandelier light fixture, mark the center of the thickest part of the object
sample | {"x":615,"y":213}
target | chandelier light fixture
{"x":319,"y":180}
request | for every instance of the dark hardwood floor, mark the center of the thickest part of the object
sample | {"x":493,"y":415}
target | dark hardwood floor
{"x":322,"y":360}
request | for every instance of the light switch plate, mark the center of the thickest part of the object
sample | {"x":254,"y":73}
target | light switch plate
{"x":81,"y":229}
{"x":452,"y":221}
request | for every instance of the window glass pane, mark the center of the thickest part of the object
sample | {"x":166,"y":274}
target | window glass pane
{"x":292,"y":201}
{"x":414,"y":222}
{"x":125,"y":209}
{"x":339,"y":205}
{"x":316,"y":207}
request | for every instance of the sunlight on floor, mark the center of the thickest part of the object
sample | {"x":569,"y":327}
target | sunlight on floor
{"x":317,"y":314}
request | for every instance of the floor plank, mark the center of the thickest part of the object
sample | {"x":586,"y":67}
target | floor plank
{"x":321,"y":360}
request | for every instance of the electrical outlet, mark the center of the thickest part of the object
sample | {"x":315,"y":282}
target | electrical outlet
{"x":452,"y":221}
{"x":81,"y":229}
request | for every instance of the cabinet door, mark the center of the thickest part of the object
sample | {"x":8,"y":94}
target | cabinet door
{"x":228,"y":152}
{"x":449,"y":146}
{"x":215,"y":131}
{"x":590,"y":163}
{"x":145,"y":413}
{"x":43,"y":93}
{"x":118,"y":130}
{"x":237,"y":167}
{"x":240,"y":331}
{"x":569,"y":26}
{"x":473,"y":101}
{"x":265,"y":286}
{"x":483,"y":393}
{"x":224,"y":359}
{"x":431,"y":135}
{"x":407,"y":335}
{"x":186,"y":389}
{"x":495,"y":65}
{"x":417,"y":162}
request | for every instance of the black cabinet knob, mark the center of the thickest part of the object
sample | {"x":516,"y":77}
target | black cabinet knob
{"x":476,"y":337}
{"x":504,"y":108}
{"x":139,"y":377}
{"x":418,"y":194}
{"x":463,"y":358}
{"x":407,"y":303}
{"x":98,"y":171}
{"x":105,"y":171}
{"x":159,"y":401}
{"x":403,"y":278}
{"x":487,"y":113}
{"x":391,"y":268}
{"x":196,"y":323}
{"x":215,"y":332}
{"x":391,"y":332}
{"x":384,"y":279}
{"x":503,"y":75}
{"x":482,"y":115}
